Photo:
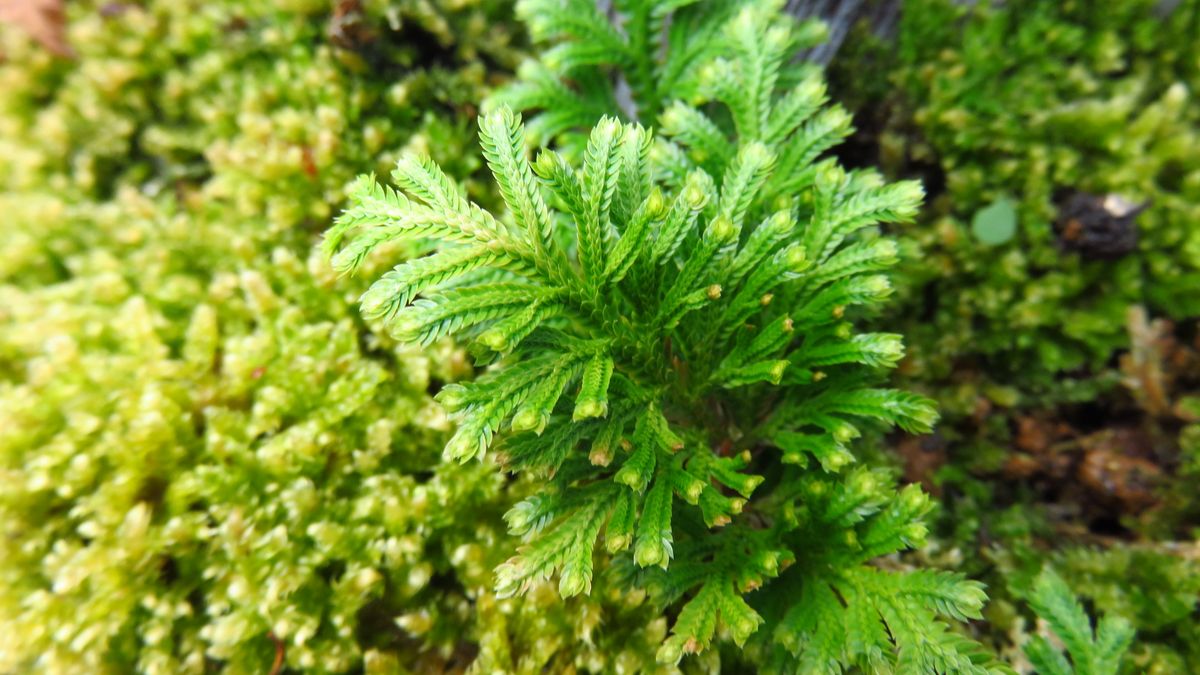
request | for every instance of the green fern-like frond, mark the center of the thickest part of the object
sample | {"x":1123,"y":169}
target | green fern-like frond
{"x":666,"y":311}
{"x":1088,"y":651}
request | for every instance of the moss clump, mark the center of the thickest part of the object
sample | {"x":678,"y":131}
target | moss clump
{"x":1059,"y":146}
{"x":210,"y":462}
{"x":1033,"y":104}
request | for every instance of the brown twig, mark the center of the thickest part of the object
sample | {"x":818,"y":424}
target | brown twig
{"x":280,"y":652}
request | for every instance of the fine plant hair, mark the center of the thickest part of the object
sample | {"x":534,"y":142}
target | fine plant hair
{"x":665,"y":319}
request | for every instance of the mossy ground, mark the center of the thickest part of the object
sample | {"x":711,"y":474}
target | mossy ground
{"x":1063,"y":352}
{"x":209,"y":460}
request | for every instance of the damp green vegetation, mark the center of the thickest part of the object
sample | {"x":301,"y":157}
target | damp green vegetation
{"x":1059,"y":148}
{"x":553,"y":336}
{"x":1048,"y":295}
{"x":209,"y":459}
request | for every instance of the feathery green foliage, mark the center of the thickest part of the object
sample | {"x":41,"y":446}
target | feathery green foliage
{"x":1153,"y":588}
{"x":210,"y":461}
{"x":1090,"y":652}
{"x":666,"y":321}
{"x":1017,"y":325}
{"x":659,"y":59}
{"x":1027,"y":104}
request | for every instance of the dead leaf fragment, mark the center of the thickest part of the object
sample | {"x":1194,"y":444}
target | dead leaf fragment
{"x":1151,"y":342}
{"x":1129,"y":480}
{"x":44,"y":20}
{"x":923,"y":456}
{"x":348,"y":28}
{"x":1033,"y":435}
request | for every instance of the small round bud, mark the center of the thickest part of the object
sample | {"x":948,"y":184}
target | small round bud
{"x":837,"y":460}
{"x":522,"y":517}
{"x":462,"y":447}
{"x":777,"y":369}
{"x":912,"y":499}
{"x":863,"y":483}
{"x":768,"y":562}
{"x":752,"y":483}
{"x":617,"y":543}
{"x":590,"y":408}
{"x":722,"y":230}
{"x":375,"y":302}
{"x":544,"y":164}
{"x":878,"y":285}
{"x":629,"y":477}
{"x":573,"y":582}
{"x":656,"y":204}
{"x":600,"y":455}
{"x":914,"y":533}
{"x":649,"y":552}
{"x":845,"y":433}
{"x":494,"y":340}
{"x":797,"y":259}
{"x":529,"y":419}
{"x":757,"y":153}
{"x":672,"y":117}
{"x":781,"y":221}
{"x":743,"y":628}
{"x":669,"y":653}
{"x":452,"y":396}
{"x":406,"y":326}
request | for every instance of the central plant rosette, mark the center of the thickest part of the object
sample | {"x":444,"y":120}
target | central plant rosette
{"x":664,"y":322}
